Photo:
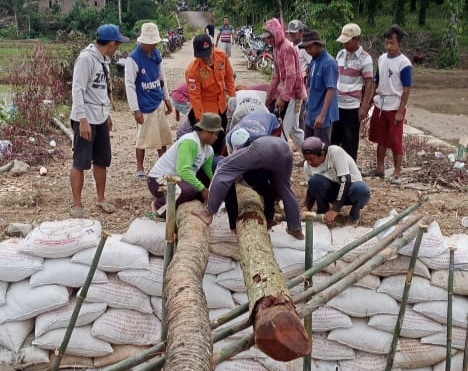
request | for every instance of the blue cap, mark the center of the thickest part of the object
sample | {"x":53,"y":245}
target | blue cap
{"x":111,"y":32}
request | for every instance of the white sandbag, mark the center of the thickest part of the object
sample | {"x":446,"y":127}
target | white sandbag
{"x":226,"y":249}
{"x":442,"y":261}
{"x":360,"y":302}
{"x":413,"y":354}
{"x":217,"y":296}
{"x":63,"y":238}
{"x":223,"y":241}
{"x":81,"y":343}
{"x":116,"y":256}
{"x":329,"y":350}
{"x":400,"y":265}
{"x":428,"y":368}
{"x":251,"y":353}
{"x":362,"y":249}
{"x":232,"y":280}
{"x":432,"y":243}
{"x":121,"y":352}
{"x":147,"y":233}
{"x":460,"y":281}
{"x":291,"y":261}
{"x":458,"y":338}
{"x":437,"y":310}
{"x":125,"y":326}
{"x":148,"y":280}
{"x":119,"y":294}
{"x":322,"y":239}
{"x":15,"y":265}
{"x":361,"y":336}
{"x":382,"y":221}
{"x":13,"y":334}
{"x":241,"y":319}
{"x":30,"y":356}
{"x":342,"y":236}
{"x":3,"y":291}
{"x":216,"y":313}
{"x":420,"y":291}
{"x":364,"y":362}
{"x":64,"y":272}
{"x":297,"y":365}
{"x":39,"y":300}
{"x":60,"y":318}
{"x":250,"y":96}
{"x":240,"y":365}
{"x":369,"y":282}
{"x":218,"y":264}
{"x":240,"y":297}
{"x":156,"y":304}
{"x":456,"y":363}
{"x":327,"y":318}
{"x":415,"y":325}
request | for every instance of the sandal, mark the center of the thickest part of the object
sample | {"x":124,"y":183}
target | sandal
{"x":77,"y":212}
{"x":155,"y":216}
{"x":373,"y":173}
{"x":106,"y":206}
{"x":140,"y":174}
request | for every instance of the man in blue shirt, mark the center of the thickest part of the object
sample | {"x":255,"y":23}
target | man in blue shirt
{"x":322,"y":104}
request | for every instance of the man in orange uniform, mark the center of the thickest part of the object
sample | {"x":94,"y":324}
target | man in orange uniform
{"x":209,"y":76}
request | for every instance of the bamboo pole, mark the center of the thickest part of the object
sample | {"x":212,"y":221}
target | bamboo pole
{"x":465,"y":353}
{"x":404,"y":299}
{"x":448,"y":358}
{"x":79,"y":301}
{"x":309,"y":257}
{"x":169,"y":250}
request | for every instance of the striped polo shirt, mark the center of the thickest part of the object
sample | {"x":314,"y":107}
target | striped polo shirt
{"x":353,"y":69}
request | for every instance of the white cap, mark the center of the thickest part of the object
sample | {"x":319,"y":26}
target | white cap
{"x":239,"y":137}
{"x":349,"y":31}
{"x":149,"y":34}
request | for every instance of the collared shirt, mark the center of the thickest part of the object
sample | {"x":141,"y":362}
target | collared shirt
{"x":353,"y":68}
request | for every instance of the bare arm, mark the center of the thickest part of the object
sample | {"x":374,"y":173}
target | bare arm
{"x":329,"y":95}
{"x":400,"y":115}
{"x":366,"y":99}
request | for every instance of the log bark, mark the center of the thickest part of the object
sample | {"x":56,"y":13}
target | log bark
{"x":278,"y":330}
{"x":189,"y":344}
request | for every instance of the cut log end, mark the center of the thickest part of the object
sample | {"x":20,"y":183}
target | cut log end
{"x":279,"y":332}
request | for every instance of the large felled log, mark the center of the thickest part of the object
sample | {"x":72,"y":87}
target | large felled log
{"x":189,"y":344}
{"x":278,"y":330}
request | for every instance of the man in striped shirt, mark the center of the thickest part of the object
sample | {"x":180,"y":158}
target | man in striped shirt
{"x":355,"y":83}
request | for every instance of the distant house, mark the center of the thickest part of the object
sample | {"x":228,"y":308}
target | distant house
{"x":66,"y":6}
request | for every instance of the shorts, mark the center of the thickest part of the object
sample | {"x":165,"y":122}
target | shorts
{"x":154,"y":133}
{"x":181,"y":107}
{"x":96,"y":151}
{"x":384,"y":131}
{"x":226,"y":47}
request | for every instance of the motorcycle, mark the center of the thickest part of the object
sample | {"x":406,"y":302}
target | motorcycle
{"x":258,"y":55}
{"x":264,"y":61}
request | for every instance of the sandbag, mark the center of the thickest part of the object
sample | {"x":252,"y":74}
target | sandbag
{"x":327,"y":318}
{"x":341,"y":236}
{"x":64,"y":272}
{"x":400,"y":265}
{"x":40,"y":299}
{"x":232,"y":280}
{"x":147,"y":233}
{"x":240,"y":297}
{"x":218,"y":264}
{"x":432,"y":243}
{"x":460,"y":281}
{"x":382,"y":221}
{"x":156,"y":304}
{"x":27,"y":358}
{"x":63,"y":238}
{"x":456,"y":363}
{"x":291,"y":261}
{"x":223,"y":241}
{"x":360,"y":302}
{"x":369,"y":282}
{"x":362,"y":337}
{"x":251,"y":353}
{"x":364,"y":362}
{"x":147,"y":280}
{"x":3,"y":291}
{"x":15,"y":265}
{"x":413,"y":354}
{"x":116,"y":256}
{"x":441,"y":262}
{"x":415,"y":325}
{"x":121,"y":352}
{"x":458,"y":338}
{"x":217,"y":296}
{"x":421,"y":289}
{"x":437,"y":310}
{"x":329,"y":350}
{"x":81,"y":343}
{"x":297,"y":365}
{"x":125,"y":326}
{"x":71,"y":362}
{"x":240,"y":365}
{"x":362,"y":249}
{"x":60,"y":318}
{"x":13,"y":334}
{"x":119,"y":294}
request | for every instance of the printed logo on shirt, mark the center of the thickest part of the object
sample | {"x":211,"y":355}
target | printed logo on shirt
{"x":205,"y":74}
{"x":143,"y":71}
{"x":191,"y":84}
{"x":221,"y":66}
{"x":100,"y":81}
{"x":390,"y":73}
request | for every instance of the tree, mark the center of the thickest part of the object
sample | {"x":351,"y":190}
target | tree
{"x":422,"y":12}
{"x":15,"y":7}
{"x":372,"y":6}
{"x":400,"y":15}
{"x":413,"y":6}
{"x":450,"y":52}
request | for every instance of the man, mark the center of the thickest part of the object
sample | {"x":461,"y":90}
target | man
{"x":207,"y":77}
{"x":263,"y":161}
{"x":191,"y":159}
{"x":322,"y":104}
{"x":355,"y":85}
{"x":146,"y":88}
{"x":332,"y":177}
{"x":226,"y":34}
{"x":287,"y":86}
{"x":393,"y":82}
{"x":210,"y":29}
{"x":294,"y":33}
{"x":180,"y":99}
{"x":90,"y":116}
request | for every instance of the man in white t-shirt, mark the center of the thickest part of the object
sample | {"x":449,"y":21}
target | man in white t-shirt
{"x":333,"y":178}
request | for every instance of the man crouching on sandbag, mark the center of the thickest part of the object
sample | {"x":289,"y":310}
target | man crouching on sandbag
{"x":333,"y":177}
{"x":265,"y":163}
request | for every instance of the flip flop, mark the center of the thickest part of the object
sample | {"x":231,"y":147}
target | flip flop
{"x":106,"y":206}
{"x":77,"y":212}
{"x":155,"y":216}
{"x":140,"y":174}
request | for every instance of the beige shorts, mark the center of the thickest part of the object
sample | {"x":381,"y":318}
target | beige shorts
{"x":154,"y":133}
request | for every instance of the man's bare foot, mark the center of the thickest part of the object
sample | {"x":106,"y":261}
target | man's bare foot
{"x":204,"y":215}
{"x":296,"y":234}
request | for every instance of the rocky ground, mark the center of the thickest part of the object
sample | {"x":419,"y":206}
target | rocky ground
{"x":33,"y":198}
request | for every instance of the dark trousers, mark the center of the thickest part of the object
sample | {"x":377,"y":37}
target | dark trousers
{"x":345,"y":132}
{"x":259,"y":180}
{"x":323,"y":191}
{"x":219,"y":145}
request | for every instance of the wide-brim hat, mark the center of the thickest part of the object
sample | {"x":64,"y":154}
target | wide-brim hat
{"x":149,"y":34}
{"x":210,"y":122}
{"x":309,"y":38}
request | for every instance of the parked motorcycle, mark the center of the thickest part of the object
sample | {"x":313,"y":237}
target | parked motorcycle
{"x":258,"y":55}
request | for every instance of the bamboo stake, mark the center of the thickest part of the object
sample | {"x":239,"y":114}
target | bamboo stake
{"x":465,"y":354}
{"x":309,"y":257}
{"x":404,"y":299}
{"x":169,"y":250}
{"x":79,"y":301}
{"x":448,"y":358}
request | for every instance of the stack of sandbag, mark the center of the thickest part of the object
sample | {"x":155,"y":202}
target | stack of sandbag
{"x":41,"y":275}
